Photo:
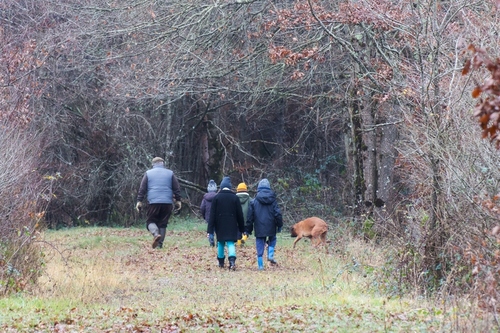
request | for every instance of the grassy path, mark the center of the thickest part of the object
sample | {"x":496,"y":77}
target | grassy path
{"x":110,"y":280}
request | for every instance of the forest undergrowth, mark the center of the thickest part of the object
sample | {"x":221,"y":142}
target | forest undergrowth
{"x":100,"y":279}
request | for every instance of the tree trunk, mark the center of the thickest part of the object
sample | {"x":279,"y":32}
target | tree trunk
{"x":369,"y":137}
{"x":205,"y":156}
{"x":354,"y":145}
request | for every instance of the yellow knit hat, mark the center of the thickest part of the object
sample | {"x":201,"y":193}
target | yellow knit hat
{"x":242,"y":187}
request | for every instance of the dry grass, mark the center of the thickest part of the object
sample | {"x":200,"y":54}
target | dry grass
{"x":110,"y":280}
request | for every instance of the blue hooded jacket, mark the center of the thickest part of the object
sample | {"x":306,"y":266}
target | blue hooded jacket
{"x":264,"y":215}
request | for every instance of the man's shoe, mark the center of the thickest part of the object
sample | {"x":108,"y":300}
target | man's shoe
{"x":156,"y":241}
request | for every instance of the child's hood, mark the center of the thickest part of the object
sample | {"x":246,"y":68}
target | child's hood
{"x":244,"y":197}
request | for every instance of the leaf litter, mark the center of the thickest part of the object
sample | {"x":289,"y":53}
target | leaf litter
{"x":111,"y":280}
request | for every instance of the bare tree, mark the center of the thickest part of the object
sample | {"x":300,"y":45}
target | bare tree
{"x":349,"y":107}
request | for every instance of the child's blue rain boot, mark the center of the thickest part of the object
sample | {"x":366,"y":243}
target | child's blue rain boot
{"x":270,"y":255}
{"x":260,"y":263}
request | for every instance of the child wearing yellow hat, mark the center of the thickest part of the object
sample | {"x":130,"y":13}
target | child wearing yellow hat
{"x":241,"y":192}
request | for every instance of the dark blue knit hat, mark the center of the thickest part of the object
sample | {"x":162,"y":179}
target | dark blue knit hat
{"x":226,"y":182}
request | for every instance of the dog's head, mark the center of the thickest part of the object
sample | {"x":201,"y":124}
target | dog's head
{"x":293,"y":232}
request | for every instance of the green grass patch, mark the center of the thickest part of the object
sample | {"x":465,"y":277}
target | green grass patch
{"x":111,"y":280}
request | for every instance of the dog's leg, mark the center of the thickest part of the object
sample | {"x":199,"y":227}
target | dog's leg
{"x":323,"y":240}
{"x":296,"y":240}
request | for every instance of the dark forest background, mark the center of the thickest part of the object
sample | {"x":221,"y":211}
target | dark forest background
{"x":356,"y":111}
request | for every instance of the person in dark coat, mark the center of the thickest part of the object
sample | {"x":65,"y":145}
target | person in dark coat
{"x":265,"y":219}
{"x":226,"y":219}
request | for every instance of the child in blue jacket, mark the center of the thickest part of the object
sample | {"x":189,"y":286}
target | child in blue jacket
{"x":265,"y":219}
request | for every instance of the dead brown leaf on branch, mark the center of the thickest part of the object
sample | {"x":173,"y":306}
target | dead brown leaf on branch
{"x":487,"y":109}
{"x":486,"y":258}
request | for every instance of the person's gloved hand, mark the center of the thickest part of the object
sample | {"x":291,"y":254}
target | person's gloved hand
{"x":278,"y":230}
{"x":244,"y":237}
{"x":211,"y":239}
{"x":138,"y":206}
{"x":178,"y":205}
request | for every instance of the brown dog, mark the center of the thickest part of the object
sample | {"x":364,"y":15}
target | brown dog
{"x":313,"y":228}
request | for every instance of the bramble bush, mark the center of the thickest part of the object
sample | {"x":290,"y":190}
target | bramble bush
{"x":483,"y":251}
{"x":23,"y":196}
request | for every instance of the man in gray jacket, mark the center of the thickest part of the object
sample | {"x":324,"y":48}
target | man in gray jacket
{"x":162,"y":189}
